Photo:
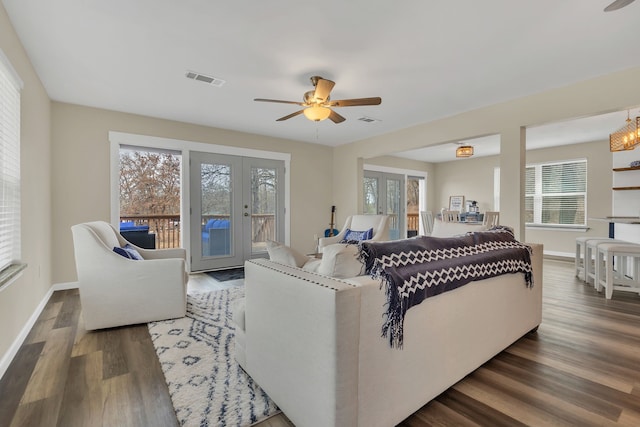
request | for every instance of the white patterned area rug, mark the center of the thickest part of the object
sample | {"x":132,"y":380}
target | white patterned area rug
{"x":207,"y":386}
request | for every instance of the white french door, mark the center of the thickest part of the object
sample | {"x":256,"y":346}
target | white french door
{"x":384,"y":194}
{"x":237,"y":203}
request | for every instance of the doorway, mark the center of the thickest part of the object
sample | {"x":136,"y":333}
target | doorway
{"x":237,"y":204}
{"x":384,"y":194}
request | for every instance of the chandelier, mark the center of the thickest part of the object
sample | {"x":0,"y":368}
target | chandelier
{"x":627,"y":137}
{"x":464,"y":151}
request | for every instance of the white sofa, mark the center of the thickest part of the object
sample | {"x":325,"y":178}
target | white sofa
{"x":448,"y":229}
{"x":116,"y":291}
{"x":313,"y":343}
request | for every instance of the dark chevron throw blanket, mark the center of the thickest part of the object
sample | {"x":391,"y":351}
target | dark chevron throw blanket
{"x":418,"y":268}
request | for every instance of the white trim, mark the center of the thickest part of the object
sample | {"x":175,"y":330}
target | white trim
{"x":65,"y":286}
{"x":9,"y":282}
{"x":560,"y":254}
{"x":398,"y":171}
{"x":7,"y":358}
{"x":548,"y":227}
{"x":185,"y":147}
{"x":182,"y":145}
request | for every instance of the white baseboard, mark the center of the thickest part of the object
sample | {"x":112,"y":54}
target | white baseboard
{"x":571,"y":255}
{"x":13,"y":350}
{"x":7,"y":358}
{"x":65,"y":286}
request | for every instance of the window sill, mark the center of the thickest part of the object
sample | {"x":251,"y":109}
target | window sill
{"x":552,"y":227}
{"x":9,"y":274}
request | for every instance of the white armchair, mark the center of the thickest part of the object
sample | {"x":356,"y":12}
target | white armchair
{"x":115,"y":290}
{"x":379,"y":223}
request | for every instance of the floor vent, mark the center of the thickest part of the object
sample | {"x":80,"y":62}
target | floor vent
{"x":213,"y":81}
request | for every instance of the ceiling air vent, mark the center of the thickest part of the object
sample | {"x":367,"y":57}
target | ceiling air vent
{"x":368,"y":119}
{"x":213,"y":81}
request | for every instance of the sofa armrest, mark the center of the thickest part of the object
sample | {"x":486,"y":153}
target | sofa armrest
{"x":301,"y":337}
{"x":163,"y":253}
{"x":326,"y":241}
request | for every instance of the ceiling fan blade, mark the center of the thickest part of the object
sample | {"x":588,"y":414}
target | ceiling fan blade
{"x":323,"y":89}
{"x":618,"y":4}
{"x":335,"y":117}
{"x":354,"y":102}
{"x":297,"y":113}
{"x":278,"y":101}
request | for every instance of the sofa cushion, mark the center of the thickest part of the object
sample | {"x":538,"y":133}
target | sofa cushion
{"x":341,"y":261}
{"x":451,"y":229}
{"x":282,"y":254}
{"x":312,"y":265}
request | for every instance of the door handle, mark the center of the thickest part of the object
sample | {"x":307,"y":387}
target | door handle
{"x":246,"y":214}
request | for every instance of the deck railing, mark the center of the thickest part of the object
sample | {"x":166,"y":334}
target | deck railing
{"x":167,"y":227}
{"x":413,"y":221}
{"x":263,"y":226}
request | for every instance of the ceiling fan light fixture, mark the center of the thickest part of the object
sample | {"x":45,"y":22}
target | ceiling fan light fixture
{"x":317,"y":113}
{"x":627,"y":137}
{"x":464,"y":151}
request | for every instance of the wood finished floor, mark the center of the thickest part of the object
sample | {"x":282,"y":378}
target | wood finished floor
{"x":581,"y":368}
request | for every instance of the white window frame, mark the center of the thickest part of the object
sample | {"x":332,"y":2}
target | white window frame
{"x":538,"y":195}
{"x":10,"y":248}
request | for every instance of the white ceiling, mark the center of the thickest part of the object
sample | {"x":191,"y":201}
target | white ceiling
{"x":426,"y":59}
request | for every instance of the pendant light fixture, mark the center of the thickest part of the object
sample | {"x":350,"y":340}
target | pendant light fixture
{"x":627,"y":137}
{"x":464,"y":151}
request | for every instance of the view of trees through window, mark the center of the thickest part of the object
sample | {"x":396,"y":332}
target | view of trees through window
{"x":150,"y":193}
{"x":149,"y":183}
{"x":216,"y":189}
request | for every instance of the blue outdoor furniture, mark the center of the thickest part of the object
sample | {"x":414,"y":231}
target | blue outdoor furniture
{"x":216,"y":237}
{"x":138,"y":234}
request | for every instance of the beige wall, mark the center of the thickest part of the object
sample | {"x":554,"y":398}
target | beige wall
{"x":616,"y":91}
{"x":19,"y":300}
{"x":81,"y":185}
{"x":471,"y":178}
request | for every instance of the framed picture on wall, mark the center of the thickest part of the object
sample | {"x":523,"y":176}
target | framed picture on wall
{"x":456,"y":203}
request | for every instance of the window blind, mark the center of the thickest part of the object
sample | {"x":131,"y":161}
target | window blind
{"x":556,"y":193}
{"x":9,"y":165}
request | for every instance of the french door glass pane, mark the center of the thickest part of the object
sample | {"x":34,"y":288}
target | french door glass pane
{"x":370,"y":195}
{"x":263,"y":207}
{"x":393,"y":207}
{"x":216,"y":209}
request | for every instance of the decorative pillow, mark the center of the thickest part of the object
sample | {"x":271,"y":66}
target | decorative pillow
{"x":128,"y":251}
{"x":357,"y":236}
{"x":341,"y":261}
{"x":283,"y":254}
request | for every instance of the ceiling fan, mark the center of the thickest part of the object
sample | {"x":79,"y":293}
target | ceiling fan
{"x":317,"y":102}
{"x":618,"y":4}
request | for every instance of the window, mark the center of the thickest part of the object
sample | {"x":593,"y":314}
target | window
{"x":556,"y":193}
{"x":10,"y":86}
